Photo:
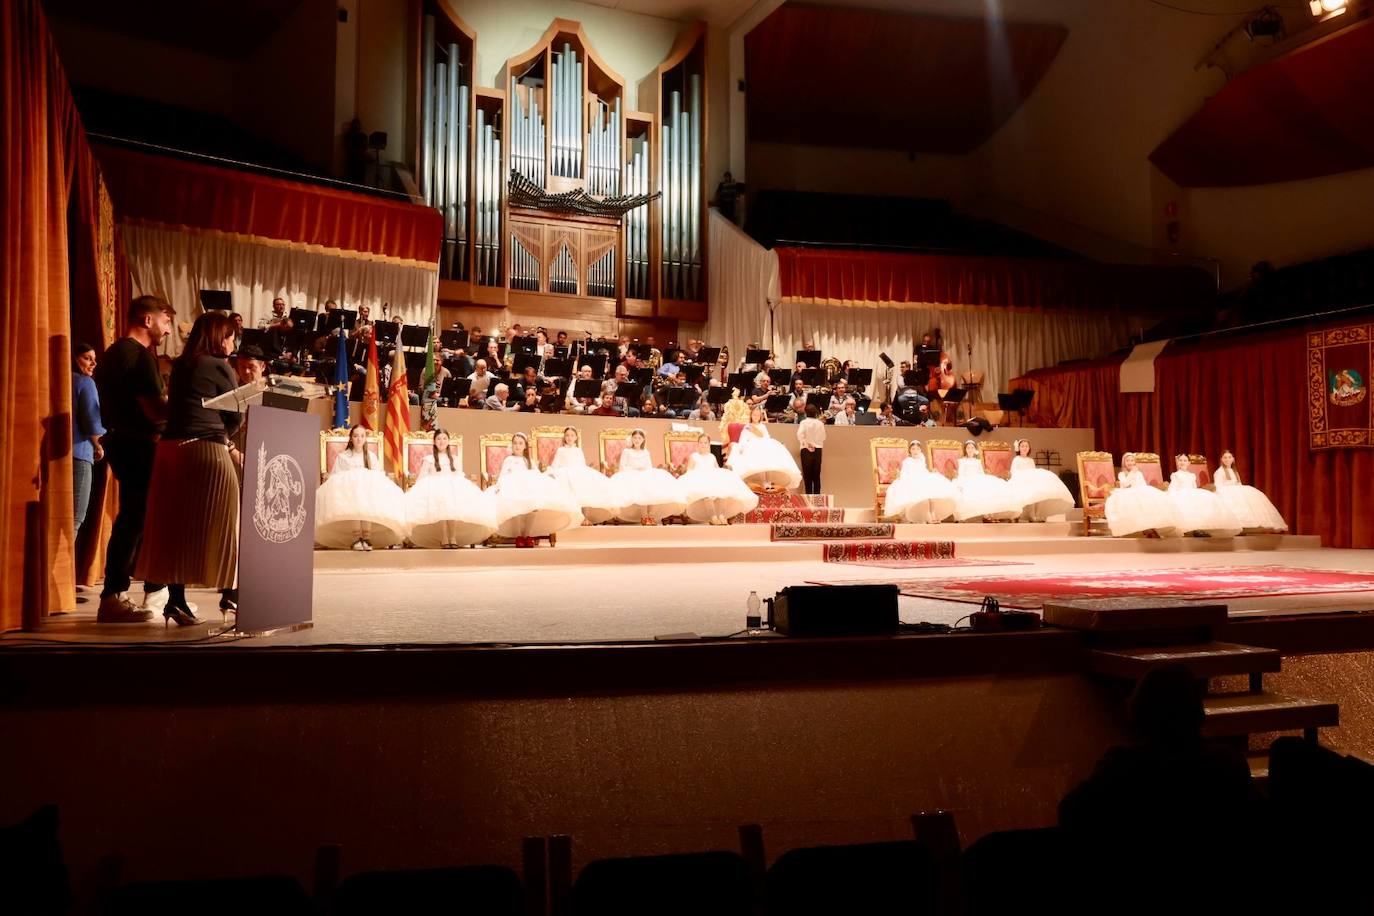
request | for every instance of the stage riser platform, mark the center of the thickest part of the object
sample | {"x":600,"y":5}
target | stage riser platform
{"x":698,"y":544}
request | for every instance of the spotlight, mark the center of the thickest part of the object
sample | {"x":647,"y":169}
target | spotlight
{"x":1268,"y":24}
{"x":1325,"y":9}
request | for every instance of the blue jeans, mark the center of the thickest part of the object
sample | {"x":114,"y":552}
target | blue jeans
{"x":81,"y":489}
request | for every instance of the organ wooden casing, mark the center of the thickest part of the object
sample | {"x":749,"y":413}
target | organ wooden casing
{"x":559,"y":122}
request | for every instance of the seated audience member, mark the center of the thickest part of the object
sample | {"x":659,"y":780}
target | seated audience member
{"x":796,"y":410}
{"x":847,"y":417}
{"x":581,"y":405}
{"x":838,"y":396}
{"x":530,"y":404}
{"x":651,"y":409}
{"x":498,"y":398}
{"x":704,"y":411}
{"x":608,"y":407}
{"x":561,"y":340}
{"x":463,"y":365}
{"x":364,"y":320}
{"x":761,"y":390}
{"x":278,"y":318}
{"x":481,"y":380}
{"x":797,"y":375}
{"x":886,"y":417}
{"x":528,"y":381}
{"x":1167,"y":803}
{"x":250,"y":364}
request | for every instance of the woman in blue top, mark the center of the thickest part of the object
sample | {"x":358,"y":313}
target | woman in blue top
{"x":86,"y":429}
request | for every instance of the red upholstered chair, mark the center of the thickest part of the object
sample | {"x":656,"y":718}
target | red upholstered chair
{"x":544,"y":442}
{"x":334,"y":441}
{"x":494,"y":448}
{"x":1096,"y":480}
{"x":1198,"y":465}
{"x":996,"y":457}
{"x":942,"y":456}
{"x":610,"y":443}
{"x":886,"y":455}
{"x":678,"y":448}
{"x":1148,"y":465}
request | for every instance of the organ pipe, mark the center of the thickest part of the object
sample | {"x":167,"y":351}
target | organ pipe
{"x":445,"y":145}
{"x":427,"y":109}
{"x":681,"y":163}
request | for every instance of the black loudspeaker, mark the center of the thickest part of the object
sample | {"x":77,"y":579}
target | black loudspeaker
{"x":836,"y":610}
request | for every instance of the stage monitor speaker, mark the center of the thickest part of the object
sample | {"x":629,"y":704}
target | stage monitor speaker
{"x":836,"y":610}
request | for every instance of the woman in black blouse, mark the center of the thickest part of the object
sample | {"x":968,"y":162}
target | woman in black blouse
{"x":192,"y":531}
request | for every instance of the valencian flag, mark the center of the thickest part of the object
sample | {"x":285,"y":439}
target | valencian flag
{"x":341,"y":385}
{"x":397,"y":416}
{"x":372,"y":395}
{"x":1339,"y":364}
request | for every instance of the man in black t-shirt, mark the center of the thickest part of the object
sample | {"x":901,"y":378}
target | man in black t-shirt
{"x":133,"y":407}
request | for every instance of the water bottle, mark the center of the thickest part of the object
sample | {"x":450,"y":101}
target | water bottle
{"x":753,"y":622}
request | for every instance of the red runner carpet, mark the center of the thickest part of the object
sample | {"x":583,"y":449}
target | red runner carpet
{"x":1032,"y":591}
{"x":813,"y":531}
{"x":867,"y":551}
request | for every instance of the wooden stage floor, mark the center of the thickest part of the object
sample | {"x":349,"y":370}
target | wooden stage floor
{"x":626,"y":583}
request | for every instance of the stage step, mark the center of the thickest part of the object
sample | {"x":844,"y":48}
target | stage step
{"x":1117,"y":615}
{"x":859,"y":551}
{"x":816,"y":531}
{"x":1248,"y":713}
{"x":791,"y":515}
{"x":796,"y":501}
{"x":1204,"y":660}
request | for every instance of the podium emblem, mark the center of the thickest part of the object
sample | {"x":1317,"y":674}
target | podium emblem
{"x":279,"y":506}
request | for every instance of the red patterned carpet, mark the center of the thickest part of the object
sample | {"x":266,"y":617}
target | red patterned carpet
{"x":802,"y":531}
{"x":868,"y":551}
{"x":1032,"y":591}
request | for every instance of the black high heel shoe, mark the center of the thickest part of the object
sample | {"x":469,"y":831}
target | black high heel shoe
{"x":184,"y":616}
{"x":228,"y":601}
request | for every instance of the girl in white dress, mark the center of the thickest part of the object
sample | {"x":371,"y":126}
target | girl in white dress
{"x":358,"y":505}
{"x":1043,"y":493}
{"x":648,"y":494}
{"x":982,"y":495}
{"x":1251,"y":508}
{"x":713,"y":494}
{"x":1135,"y":507}
{"x":1199,"y":509}
{"x":444,"y":508}
{"x":761,"y":461}
{"x":918,"y":495}
{"x":528,"y":504}
{"x":590,"y":489}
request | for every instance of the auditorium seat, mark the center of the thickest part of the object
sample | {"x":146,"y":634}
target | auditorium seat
{"x":1021,"y":871}
{"x":479,"y":890}
{"x":875,"y":879}
{"x":686,"y":884}
{"x":266,"y":895}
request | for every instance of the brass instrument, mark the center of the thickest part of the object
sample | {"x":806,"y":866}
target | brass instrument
{"x":832,"y":367}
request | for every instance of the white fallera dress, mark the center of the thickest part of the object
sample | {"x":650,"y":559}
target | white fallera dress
{"x":1135,"y":506}
{"x":1251,"y":507}
{"x":353,"y":494}
{"x":591,"y":490}
{"x":983,"y":495}
{"x":1200,"y":509}
{"x":1042,"y":492}
{"x":710,"y":490}
{"x":443,"y":497}
{"x":529,"y":504}
{"x":644,"y":490}
{"x":920,"y":496}
{"x":760,"y":460}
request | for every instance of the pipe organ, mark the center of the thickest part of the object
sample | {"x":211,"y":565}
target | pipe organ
{"x":553,"y":187}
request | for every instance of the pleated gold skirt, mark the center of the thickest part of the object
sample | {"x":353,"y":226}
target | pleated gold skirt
{"x":191,"y":536}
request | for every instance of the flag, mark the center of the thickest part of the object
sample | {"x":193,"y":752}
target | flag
{"x":372,"y":395}
{"x":341,"y":382}
{"x":397,"y":416}
{"x":431,"y":371}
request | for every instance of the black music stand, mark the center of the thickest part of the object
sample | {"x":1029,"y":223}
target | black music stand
{"x":527,"y":344}
{"x":708,"y":356}
{"x":303,"y":319}
{"x":814,"y":378}
{"x":453,"y":340}
{"x":523,"y":360}
{"x":812,"y":358}
{"x":216,"y":300}
{"x":718,"y":395}
{"x":561,"y":351}
{"x":755,"y":357}
{"x":588,"y":388}
{"x":819,"y":400}
{"x":385,"y":331}
{"x":860,"y":378}
{"x":340,"y":318}
{"x":258,"y":337}
{"x":680,"y":397}
{"x":951,"y":400}
{"x":414,"y":335}
{"x":691,"y":373}
{"x":631,"y":392}
{"x":926,"y":359}
{"x":915,"y":378}
{"x":1017,"y":402}
{"x":743,"y":382}
{"x":557,"y":368}
{"x":780,"y":378}
{"x":643,"y":376}
{"x":776,"y":403}
{"x":597,"y":364}
{"x":641,"y":350}
{"x":550,"y":403}
{"x":455,"y":391}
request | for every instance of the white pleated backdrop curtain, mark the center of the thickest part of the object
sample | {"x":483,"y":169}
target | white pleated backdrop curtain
{"x":178,"y":265}
{"x":1004,"y":342}
{"x":743,"y":287}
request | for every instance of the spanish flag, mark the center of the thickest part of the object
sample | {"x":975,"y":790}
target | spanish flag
{"x":372,"y":395}
{"x":397,"y":416}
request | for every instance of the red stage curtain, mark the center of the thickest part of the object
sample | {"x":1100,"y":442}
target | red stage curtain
{"x":1247,"y":394}
{"x":893,"y":278}
{"x":170,"y":192}
{"x":47,"y":166}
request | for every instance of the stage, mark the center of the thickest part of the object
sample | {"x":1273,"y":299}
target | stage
{"x":630,"y":583}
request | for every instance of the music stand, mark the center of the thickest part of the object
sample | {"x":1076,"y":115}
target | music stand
{"x":641,"y":350}
{"x":743,"y":382}
{"x":814,"y":378}
{"x":523,"y":360}
{"x":340,"y":318}
{"x":865,"y":418}
{"x":708,"y":356}
{"x":549,"y":403}
{"x":860,"y":378}
{"x":812,"y":358}
{"x":302,"y":318}
{"x":691,"y":373}
{"x":631,"y":392}
{"x":915,"y":378}
{"x":385,"y":331}
{"x":258,"y":338}
{"x":819,"y":400}
{"x":557,"y":368}
{"x":680,"y":397}
{"x":642,"y":376}
{"x":415,"y":360}
{"x":780,"y":378}
{"x":951,"y":399}
{"x":587,"y":388}
{"x":216,"y":300}
{"x":755,"y":357}
{"x":455,"y":391}
{"x":414,"y":335}
{"x":776,"y":403}
{"x":718,"y":395}
{"x":597,"y":363}
{"x":927,"y":357}
{"x":453,"y":340}
{"x":561,"y":351}
{"x":527,"y":344}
